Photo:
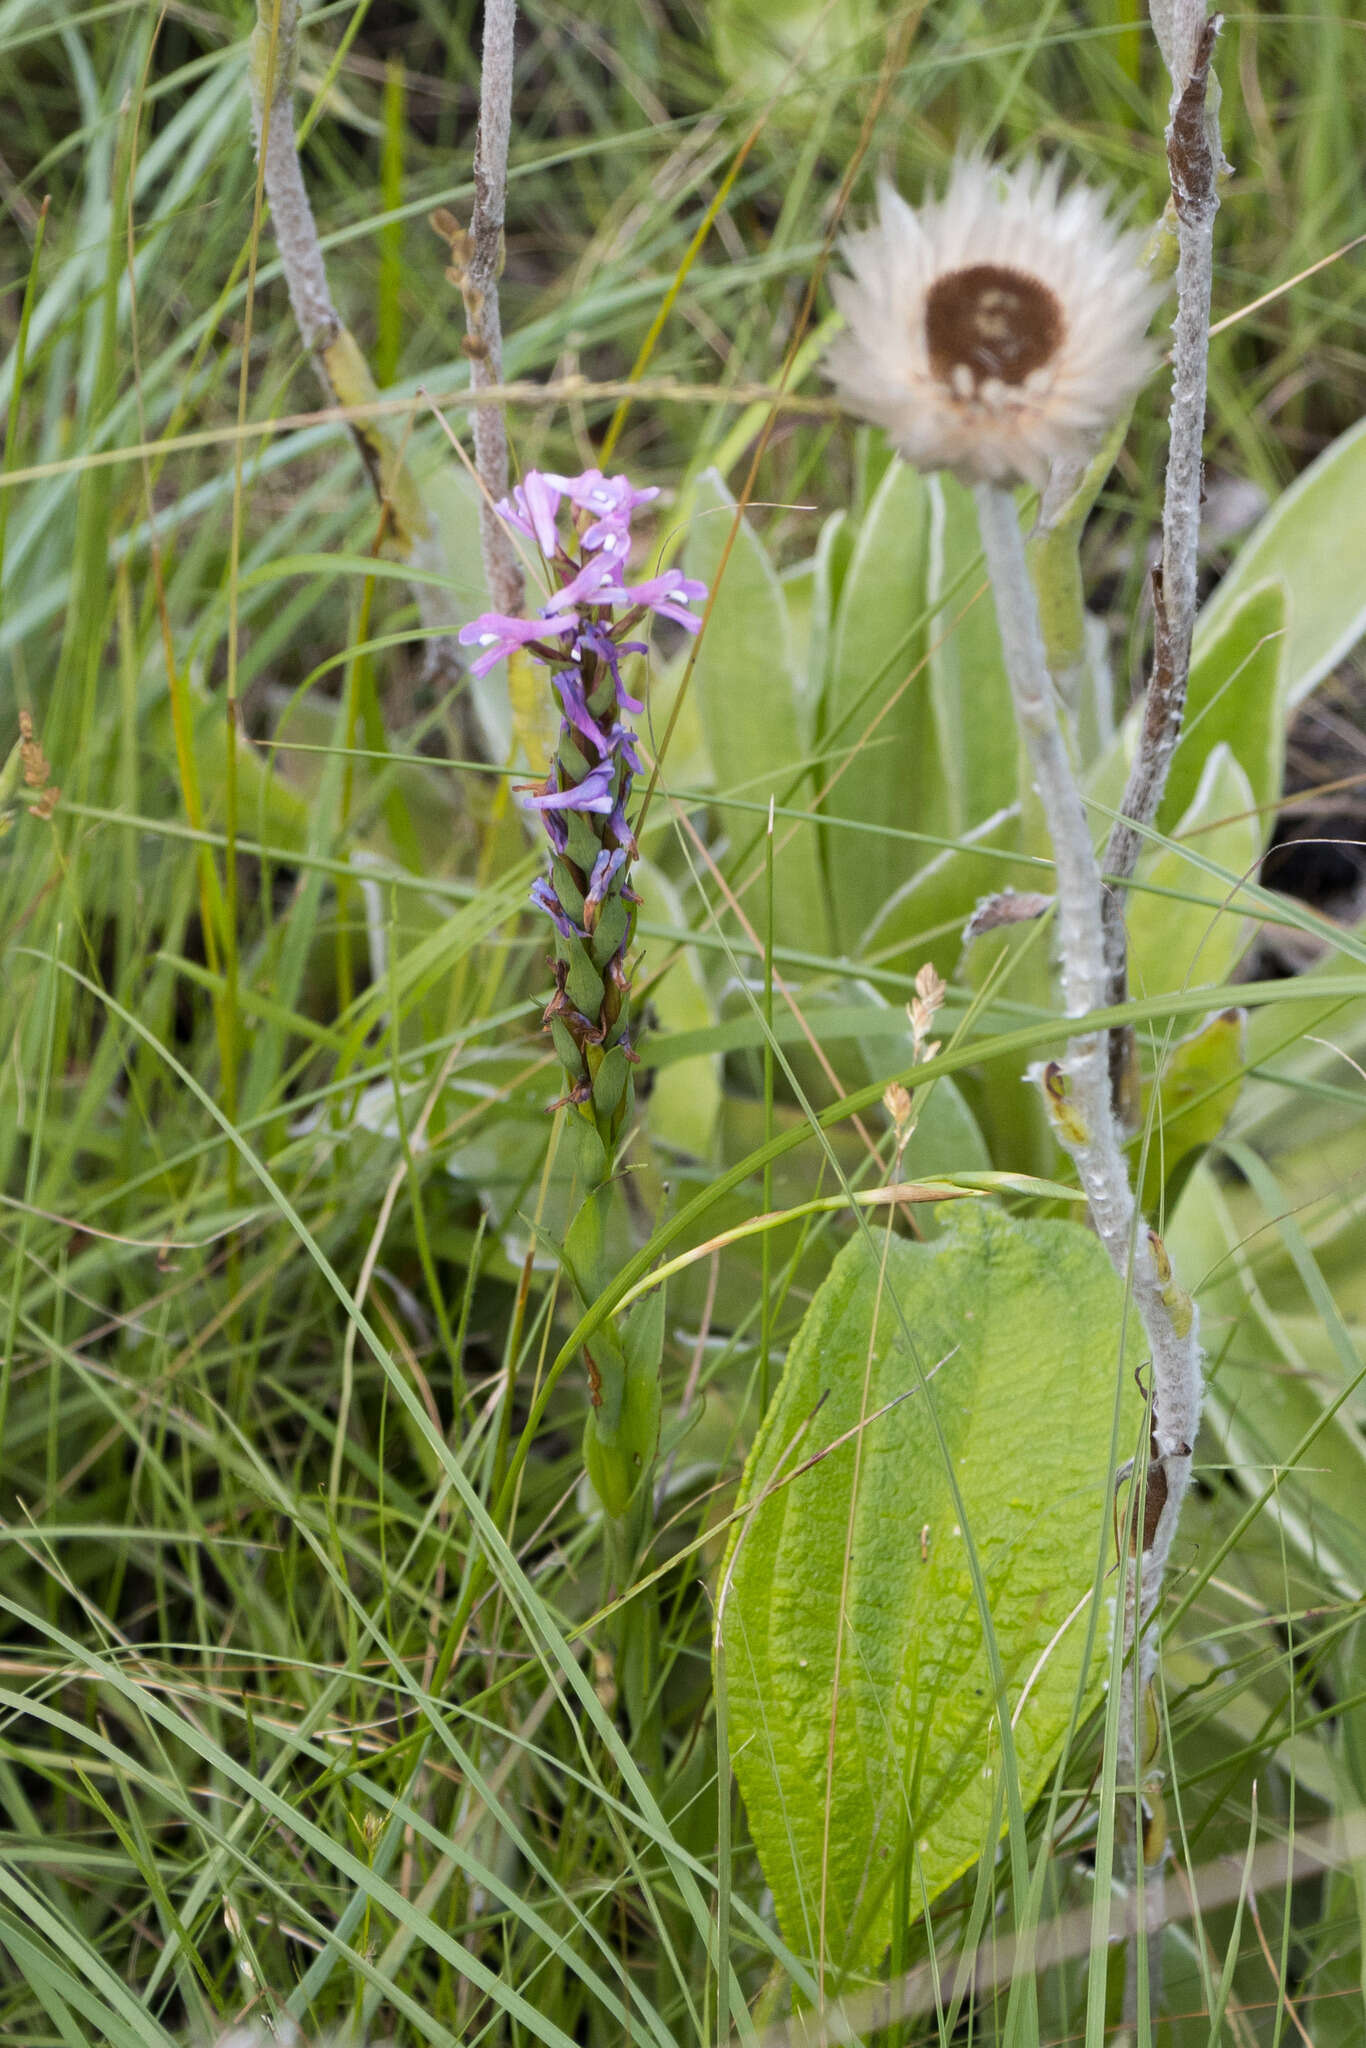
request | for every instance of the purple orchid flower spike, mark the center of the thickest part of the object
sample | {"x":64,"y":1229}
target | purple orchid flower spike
{"x":580,"y":634}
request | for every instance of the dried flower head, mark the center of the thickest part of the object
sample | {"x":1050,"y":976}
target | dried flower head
{"x":997,"y":330}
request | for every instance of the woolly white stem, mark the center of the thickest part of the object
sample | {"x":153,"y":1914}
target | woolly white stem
{"x":502,"y":570}
{"x":1195,"y":159}
{"x":1084,"y":1120}
{"x":274,"y":62}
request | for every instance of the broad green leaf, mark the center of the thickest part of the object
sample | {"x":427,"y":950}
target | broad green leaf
{"x":455,"y":551}
{"x":800,"y":595}
{"x":968,"y":682}
{"x":1236,"y":694}
{"x":425,"y":799}
{"x":1180,"y":944}
{"x":784,"y":47}
{"x":924,"y":920}
{"x":1196,"y":1090}
{"x":1313,"y":539}
{"x":267,"y":808}
{"x":1020,"y":1325}
{"x":745,"y":682}
{"x":830,"y":565}
{"x":879,"y":679}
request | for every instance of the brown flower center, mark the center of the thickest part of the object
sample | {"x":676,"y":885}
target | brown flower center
{"x":990,"y":322}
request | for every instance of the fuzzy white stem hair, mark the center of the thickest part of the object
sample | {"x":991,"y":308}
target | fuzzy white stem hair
{"x":1195,"y":160}
{"x":502,"y":570}
{"x":1089,"y":1131}
{"x":274,"y":63}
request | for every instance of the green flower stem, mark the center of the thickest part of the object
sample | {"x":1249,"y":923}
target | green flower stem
{"x":1055,"y":565}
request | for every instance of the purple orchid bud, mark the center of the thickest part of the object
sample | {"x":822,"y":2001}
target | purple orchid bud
{"x":619,"y":828}
{"x":600,"y":642}
{"x":593,"y":794}
{"x":556,"y":831}
{"x":606,"y":868}
{"x":569,"y":683}
{"x":544,"y":897}
{"x":499,"y":635}
{"x":621,"y":740}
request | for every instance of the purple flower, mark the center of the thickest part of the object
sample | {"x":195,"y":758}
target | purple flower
{"x":610,"y":499}
{"x":594,"y":793}
{"x":600,"y":642}
{"x":596,"y":583}
{"x":556,"y":831}
{"x":569,"y":683}
{"x":498,"y":635}
{"x":620,"y":830}
{"x":579,"y":634}
{"x":621,"y":740}
{"x":606,"y":868}
{"x":532,"y":508}
{"x":668,"y":595}
{"x":544,"y":897}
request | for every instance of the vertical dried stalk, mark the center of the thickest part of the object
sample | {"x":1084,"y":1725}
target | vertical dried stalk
{"x":1195,"y":160}
{"x":478,"y":280}
{"x":340,"y":364}
{"x":274,"y":66}
{"x":1079,"y":1100}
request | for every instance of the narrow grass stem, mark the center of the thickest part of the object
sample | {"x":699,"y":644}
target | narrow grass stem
{"x":1079,"y":1096}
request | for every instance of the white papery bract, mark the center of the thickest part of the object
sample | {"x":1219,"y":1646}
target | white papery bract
{"x":994,"y":331}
